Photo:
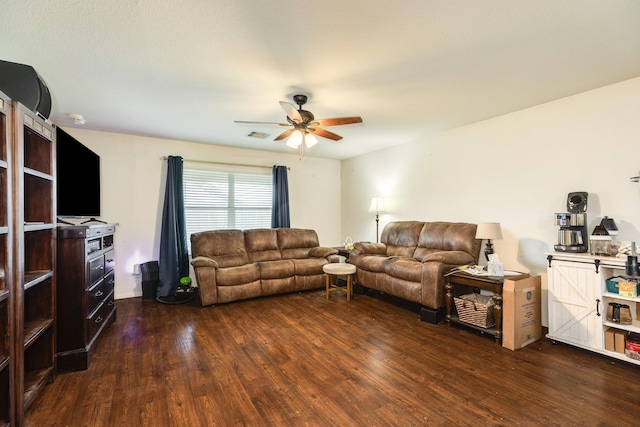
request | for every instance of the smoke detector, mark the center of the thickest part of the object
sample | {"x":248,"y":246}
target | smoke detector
{"x":77,"y":118}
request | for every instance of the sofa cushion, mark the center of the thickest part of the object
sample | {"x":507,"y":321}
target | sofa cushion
{"x":401,"y":237}
{"x":296,"y":242}
{"x":405,"y":268}
{"x":226,"y":247}
{"x":374,"y":263}
{"x":262,"y":245}
{"x":308,"y":266}
{"x":231,"y":276}
{"x":447,"y":236}
{"x":276,"y":269}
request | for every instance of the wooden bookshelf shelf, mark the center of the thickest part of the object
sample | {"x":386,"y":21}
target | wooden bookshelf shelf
{"x":33,"y":330}
{"x":32,"y":278}
{"x":34,"y":381}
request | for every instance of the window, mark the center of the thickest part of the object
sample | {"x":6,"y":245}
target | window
{"x":218,"y":197}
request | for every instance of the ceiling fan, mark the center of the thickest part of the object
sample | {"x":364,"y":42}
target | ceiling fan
{"x":305,"y":127}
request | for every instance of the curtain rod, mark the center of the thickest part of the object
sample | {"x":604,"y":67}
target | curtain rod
{"x":225,"y":163}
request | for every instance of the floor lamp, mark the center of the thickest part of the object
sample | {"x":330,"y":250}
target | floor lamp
{"x":376,"y":206}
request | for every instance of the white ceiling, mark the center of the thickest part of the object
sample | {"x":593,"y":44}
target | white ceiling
{"x":413,"y":68}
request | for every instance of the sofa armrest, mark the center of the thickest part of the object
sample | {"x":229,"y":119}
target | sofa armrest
{"x":205,"y":271}
{"x":202,"y":261}
{"x":370,"y":248}
{"x":322,"y":252}
{"x":449,"y":257}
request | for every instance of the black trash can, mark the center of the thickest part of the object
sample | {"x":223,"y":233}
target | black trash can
{"x":150,"y":279}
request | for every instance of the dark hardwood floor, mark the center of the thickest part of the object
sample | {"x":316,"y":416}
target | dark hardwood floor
{"x":300,"y":360}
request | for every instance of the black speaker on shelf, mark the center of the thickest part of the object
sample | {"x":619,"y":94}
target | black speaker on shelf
{"x":23,"y":84}
{"x":150,"y":278}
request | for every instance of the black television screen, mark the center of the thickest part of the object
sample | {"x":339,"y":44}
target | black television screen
{"x":77,"y":178}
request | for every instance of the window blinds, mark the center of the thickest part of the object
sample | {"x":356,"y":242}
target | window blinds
{"x":220,"y":198}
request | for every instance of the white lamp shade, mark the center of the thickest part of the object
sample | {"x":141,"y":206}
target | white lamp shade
{"x":377,"y":205}
{"x":489,"y":230}
{"x":295,"y":139}
{"x":310,"y":140}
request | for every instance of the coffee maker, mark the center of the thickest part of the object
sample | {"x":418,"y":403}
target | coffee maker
{"x":572,"y":233}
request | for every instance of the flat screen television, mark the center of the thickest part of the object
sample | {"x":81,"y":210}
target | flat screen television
{"x":77,"y":178}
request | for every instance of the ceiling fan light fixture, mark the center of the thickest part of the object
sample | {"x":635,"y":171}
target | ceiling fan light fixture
{"x":295,"y":139}
{"x":310,"y":139}
{"x":304,"y":129}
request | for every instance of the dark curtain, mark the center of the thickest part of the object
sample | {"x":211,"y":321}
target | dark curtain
{"x":174,"y":259}
{"x":280,"y":206}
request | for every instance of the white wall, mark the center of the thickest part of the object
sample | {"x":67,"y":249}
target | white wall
{"x":515,"y":169}
{"x":133,"y":187}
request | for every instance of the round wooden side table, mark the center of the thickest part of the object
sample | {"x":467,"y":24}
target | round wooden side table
{"x":339,"y":269}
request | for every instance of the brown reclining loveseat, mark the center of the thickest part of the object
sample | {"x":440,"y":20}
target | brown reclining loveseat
{"x":412,"y":259}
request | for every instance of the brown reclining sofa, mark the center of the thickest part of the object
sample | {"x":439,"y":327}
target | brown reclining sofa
{"x":232,"y":265}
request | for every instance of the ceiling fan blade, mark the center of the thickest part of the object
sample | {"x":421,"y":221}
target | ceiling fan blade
{"x":262,"y":123}
{"x":336,"y":121}
{"x":291,"y":111}
{"x":284,"y":134}
{"x":325,"y":134}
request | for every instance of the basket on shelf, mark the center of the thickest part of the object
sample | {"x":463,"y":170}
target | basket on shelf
{"x":612,"y":284}
{"x":475,"y":309}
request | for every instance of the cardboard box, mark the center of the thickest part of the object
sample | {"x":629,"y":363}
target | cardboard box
{"x":619,"y":340}
{"x":614,"y":340}
{"x":521,"y":311}
{"x":609,"y":339}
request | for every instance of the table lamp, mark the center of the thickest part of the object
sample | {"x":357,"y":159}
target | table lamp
{"x":488,"y":230}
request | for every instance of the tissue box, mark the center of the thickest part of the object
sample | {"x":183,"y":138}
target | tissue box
{"x":495,"y":268}
{"x":628,"y":288}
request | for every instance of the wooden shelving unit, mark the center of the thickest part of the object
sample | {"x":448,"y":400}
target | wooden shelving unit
{"x":7,"y":356}
{"x":578,"y":300}
{"x":33,"y":256}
